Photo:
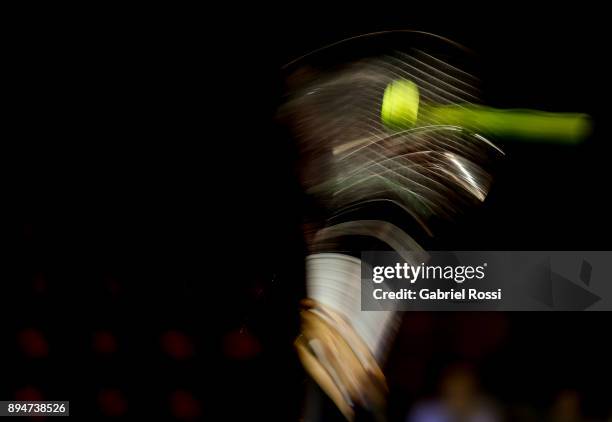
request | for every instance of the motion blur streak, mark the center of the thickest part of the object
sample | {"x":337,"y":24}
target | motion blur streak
{"x":350,"y":157}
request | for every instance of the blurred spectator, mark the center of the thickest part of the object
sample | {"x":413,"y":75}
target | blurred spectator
{"x":460,"y":400}
{"x":566,"y":407}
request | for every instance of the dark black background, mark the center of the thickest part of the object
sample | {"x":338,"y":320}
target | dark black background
{"x":141,"y":148}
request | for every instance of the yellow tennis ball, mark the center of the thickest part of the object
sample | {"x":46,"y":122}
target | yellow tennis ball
{"x":400,"y":105}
